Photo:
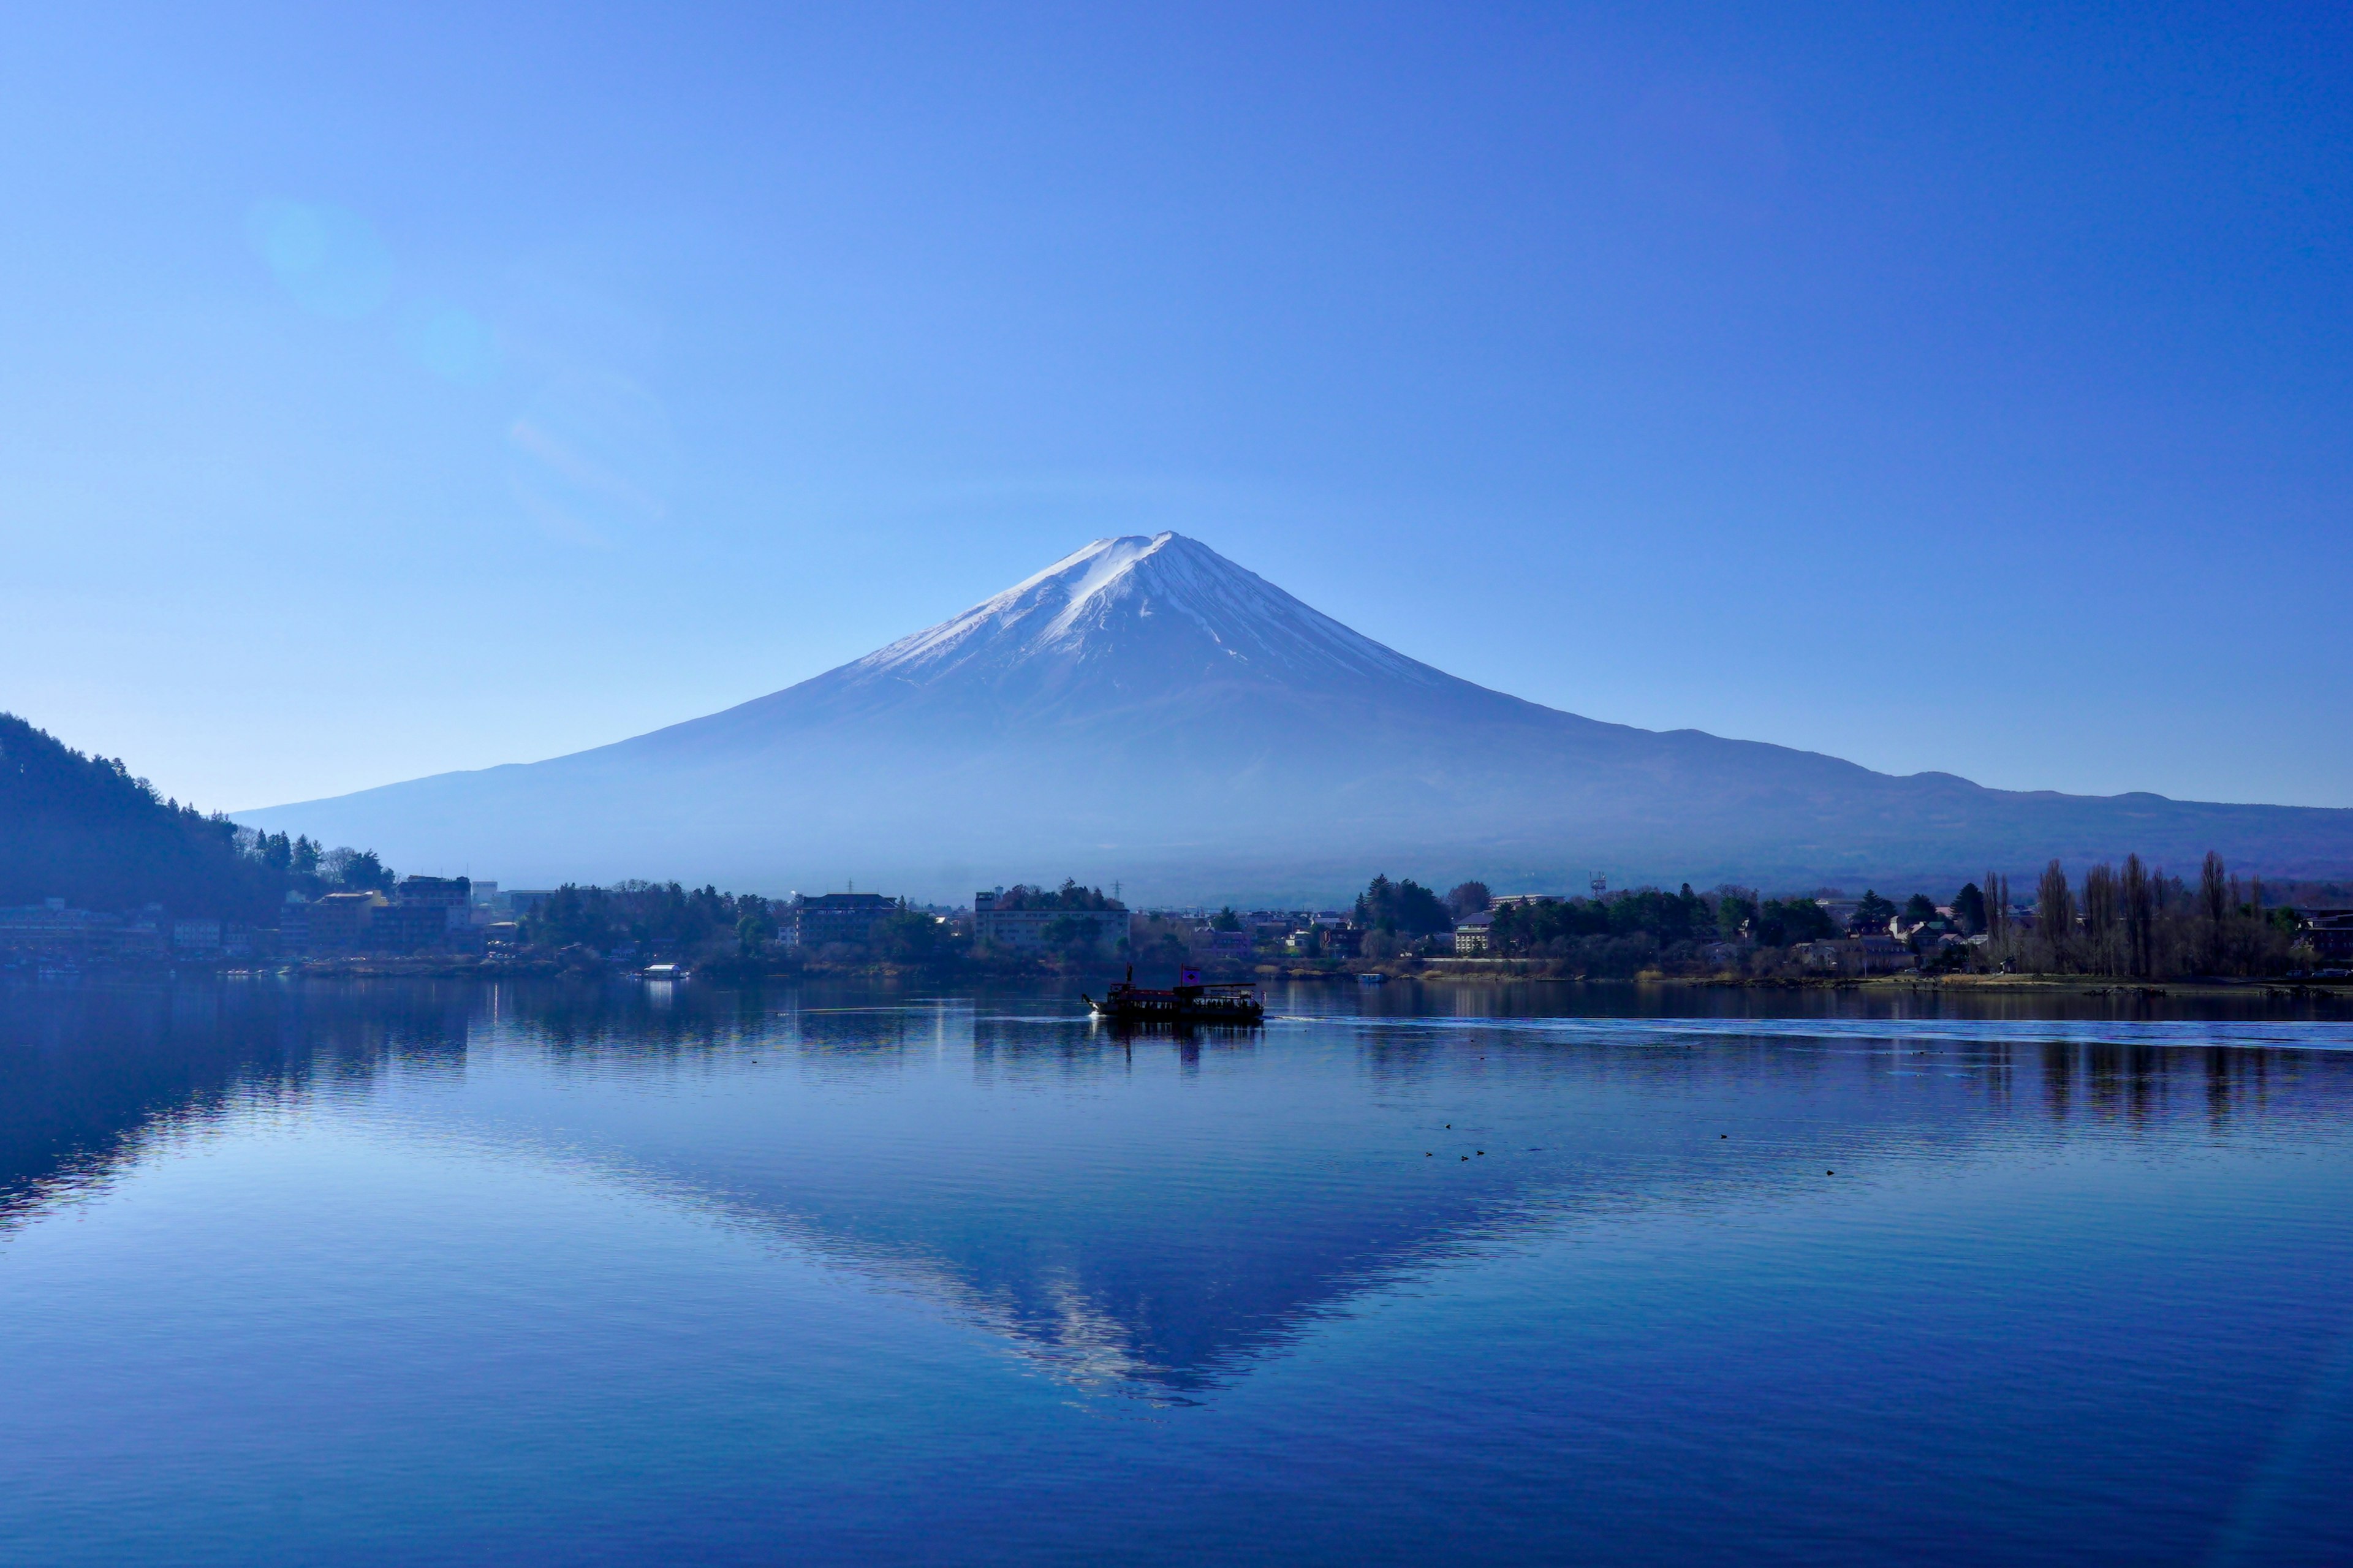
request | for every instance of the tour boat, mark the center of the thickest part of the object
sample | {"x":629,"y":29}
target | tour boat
{"x":1187,"y":1002}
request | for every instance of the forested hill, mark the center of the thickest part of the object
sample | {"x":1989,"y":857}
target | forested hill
{"x":81,"y":829}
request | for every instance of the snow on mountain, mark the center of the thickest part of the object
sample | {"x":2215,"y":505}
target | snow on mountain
{"x":1159,"y":606}
{"x":1148,"y":711}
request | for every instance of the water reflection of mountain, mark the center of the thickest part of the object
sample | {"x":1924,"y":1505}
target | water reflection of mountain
{"x":1155,"y":1213}
{"x":1177,"y":1257}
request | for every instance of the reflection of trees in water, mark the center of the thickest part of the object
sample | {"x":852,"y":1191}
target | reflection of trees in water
{"x":1399,"y":1059}
{"x":2058,"y":1079}
{"x":2134,"y":1082}
{"x":90,"y":1077}
{"x":2127,"y":1078}
{"x":595,"y":1017}
{"x":1183,"y":1297}
{"x":1405,"y":1056}
{"x":354,"y":1030}
{"x":1147,"y":1269}
{"x":1996,"y":1070}
{"x":1629,"y":999}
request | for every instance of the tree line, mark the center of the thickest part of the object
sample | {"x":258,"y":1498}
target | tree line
{"x":1070,"y":896}
{"x":651,"y":914}
{"x":2138,"y":921}
{"x":2133,"y":921}
{"x":84,"y":829}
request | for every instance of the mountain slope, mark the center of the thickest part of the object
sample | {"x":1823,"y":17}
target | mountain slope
{"x":1148,"y":711}
{"x":82,"y":829}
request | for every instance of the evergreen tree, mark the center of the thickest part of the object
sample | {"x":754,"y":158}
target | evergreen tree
{"x":83,"y":829}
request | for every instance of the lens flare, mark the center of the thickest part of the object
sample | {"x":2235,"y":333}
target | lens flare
{"x":590,"y":458}
{"x":453,"y":343}
{"x":328,"y":258}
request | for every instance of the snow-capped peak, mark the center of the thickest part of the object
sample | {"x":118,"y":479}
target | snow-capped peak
{"x":1166,"y":601}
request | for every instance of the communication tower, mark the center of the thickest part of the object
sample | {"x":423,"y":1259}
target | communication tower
{"x":1600,"y":884}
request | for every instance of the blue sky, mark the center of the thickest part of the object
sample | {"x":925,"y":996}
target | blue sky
{"x":395,"y":390}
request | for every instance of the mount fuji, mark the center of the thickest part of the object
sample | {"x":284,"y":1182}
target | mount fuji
{"x":1147,"y":710}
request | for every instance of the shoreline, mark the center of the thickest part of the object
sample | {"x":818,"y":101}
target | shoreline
{"x":1914,"y":984}
{"x":1449,"y":972}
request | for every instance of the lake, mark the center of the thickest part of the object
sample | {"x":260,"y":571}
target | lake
{"x":422,"y":1272}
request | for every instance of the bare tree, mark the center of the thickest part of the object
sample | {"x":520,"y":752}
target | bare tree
{"x":1468,"y":899}
{"x":1996,"y":900}
{"x":2140,"y":918}
{"x":2102,"y":911}
{"x":2214,"y":904}
{"x":2054,"y":916}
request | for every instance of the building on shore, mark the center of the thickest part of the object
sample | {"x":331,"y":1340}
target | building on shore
{"x":46,"y":930}
{"x":455,"y":894}
{"x":1211,"y":942}
{"x":414,"y":927}
{"x":333,"y":923}
{"x":203,"y":937}
{"x":425,"y":914}
{"x":1856,"y":955}
{"x":2329,"y":933}
{"x":1048,"y":927}
{"x":811,"y":923}
{"x":1841,"y":911}
{"x":50,"y":932}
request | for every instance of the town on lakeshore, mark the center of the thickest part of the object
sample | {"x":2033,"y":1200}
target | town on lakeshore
{"x":349,"y":913}
{"x":97,"y":872}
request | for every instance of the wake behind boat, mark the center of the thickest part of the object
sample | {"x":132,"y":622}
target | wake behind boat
{"x":1186,"y":1002}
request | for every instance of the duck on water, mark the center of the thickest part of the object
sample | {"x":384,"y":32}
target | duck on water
{"x":1187,"y":1002}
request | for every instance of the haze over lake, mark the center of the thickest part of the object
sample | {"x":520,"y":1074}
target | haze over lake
{"x":431,"y":1272}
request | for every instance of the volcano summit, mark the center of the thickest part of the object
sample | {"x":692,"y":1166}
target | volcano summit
{"x":1146,"y":710}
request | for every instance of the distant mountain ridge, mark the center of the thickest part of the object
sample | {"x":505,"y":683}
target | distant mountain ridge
{"x":1147,"y":710}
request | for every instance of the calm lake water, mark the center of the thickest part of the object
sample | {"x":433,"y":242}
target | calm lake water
{"x":419,"y":1273}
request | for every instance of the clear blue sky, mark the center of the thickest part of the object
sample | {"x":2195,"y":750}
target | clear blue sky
{"x":401,"y":389}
